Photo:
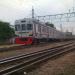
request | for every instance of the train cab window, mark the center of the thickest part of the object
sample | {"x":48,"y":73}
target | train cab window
{"x":23,"y":27}
{"x":29,"y":26}
{"x":23,"y":21}
{"x":17,"y":27}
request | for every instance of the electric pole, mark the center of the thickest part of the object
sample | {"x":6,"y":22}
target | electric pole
{"x":32,"y":13}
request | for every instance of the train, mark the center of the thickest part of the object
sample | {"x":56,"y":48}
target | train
{"x":29,"y":31}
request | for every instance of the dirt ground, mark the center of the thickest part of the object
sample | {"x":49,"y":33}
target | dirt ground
{"x":63,"y":65}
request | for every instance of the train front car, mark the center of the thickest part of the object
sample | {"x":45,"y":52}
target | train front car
{"x":24,"y":31}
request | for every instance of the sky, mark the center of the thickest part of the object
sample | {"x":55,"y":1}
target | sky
{"x":11,"y":10}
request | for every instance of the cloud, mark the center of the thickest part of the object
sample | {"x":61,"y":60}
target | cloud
{"x":16,"y":3}
{"x":10,"y":10}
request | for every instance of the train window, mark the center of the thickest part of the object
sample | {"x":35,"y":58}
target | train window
{"x":17,"y":27}
{"x":23,"y":21}
{"x":39,"y":28}
{"x":29,"y":26}
{"x":44,"y":28}
{"x":23,"y":27}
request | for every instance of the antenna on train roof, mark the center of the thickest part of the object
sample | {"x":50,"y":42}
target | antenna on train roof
{"x":32,"y":12}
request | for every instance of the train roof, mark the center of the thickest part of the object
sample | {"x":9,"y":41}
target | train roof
{"x":30,"y":20}
{"x":27,"y":19}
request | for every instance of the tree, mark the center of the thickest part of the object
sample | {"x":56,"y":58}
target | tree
{"x":50,"y":24}
{"x":6,"y":31}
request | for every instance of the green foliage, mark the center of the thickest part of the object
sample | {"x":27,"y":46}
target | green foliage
{"x":50,"y":24}
{"x":6,"y":31}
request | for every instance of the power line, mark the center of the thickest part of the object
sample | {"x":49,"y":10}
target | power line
{"x":64,"y":17}
{"x":58,"y":16}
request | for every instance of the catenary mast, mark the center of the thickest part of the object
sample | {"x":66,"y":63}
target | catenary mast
{"x":32,"y":13}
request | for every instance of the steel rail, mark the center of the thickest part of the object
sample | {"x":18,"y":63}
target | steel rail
{"x":14,"y":58}
{"x":33,"y":60}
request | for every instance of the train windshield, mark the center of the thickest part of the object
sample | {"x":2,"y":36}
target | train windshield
{"x":23,"y":27}
{"x":17,"y":27}
{"x":29,"y":26}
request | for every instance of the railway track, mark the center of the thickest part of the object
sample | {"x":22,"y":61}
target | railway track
{"x":24,"y":50}
{"x":24,"y":62}
{"x":18,"y":47}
